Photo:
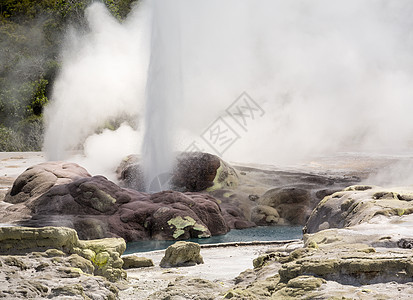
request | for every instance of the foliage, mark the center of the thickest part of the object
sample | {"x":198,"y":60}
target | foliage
{"x":31,"y":36}
{"x":9,"y":140}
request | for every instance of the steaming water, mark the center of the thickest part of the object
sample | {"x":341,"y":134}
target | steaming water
{"x":163,"y":92}
{"x":275,"y":233}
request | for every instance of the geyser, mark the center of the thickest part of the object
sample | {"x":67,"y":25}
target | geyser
{"x":330,"y":75}
{"x":163,"y":93}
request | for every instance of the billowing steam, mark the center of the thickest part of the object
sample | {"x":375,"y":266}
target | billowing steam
{"x":328,"y":76}
{"x":102,"y":80}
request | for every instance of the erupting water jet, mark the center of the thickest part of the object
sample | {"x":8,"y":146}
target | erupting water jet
{"x":163,"y":93}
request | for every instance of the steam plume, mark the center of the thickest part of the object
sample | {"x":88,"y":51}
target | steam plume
{"x":330,"y":76}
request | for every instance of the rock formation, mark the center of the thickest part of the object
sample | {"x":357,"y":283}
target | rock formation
{"x":98,"y":208}
{"x":52,"y":262}
{"x":103,"y":253}
{"x":248,"y":196}
{"x":182,"y":254}
{"x":272,"y":197}
{"x":359,"y":204}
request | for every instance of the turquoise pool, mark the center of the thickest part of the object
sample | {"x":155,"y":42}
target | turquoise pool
{"x":267,"y":233}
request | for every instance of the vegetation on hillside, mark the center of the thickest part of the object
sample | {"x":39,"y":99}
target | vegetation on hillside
{"x":31,"y":36}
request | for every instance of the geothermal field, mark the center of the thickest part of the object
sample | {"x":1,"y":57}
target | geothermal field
{"x":207,"y":150}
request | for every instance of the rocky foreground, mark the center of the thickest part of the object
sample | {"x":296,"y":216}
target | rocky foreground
{"x":357,"y":244}
{"x":51,"y":262}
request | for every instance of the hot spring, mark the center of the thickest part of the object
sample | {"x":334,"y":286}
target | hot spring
{"x":265,"y":83}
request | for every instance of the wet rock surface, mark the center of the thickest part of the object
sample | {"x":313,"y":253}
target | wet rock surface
{"x":197,"y":171}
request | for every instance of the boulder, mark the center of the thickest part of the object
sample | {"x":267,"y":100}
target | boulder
{"x":97,"y":208}
{"x":359,"y":204}
{"x":197,"y":171}
{"x":133,"y":261}
{"x":193,"y":172}
{"x":182,"y":254}
{"x":38,"y":179}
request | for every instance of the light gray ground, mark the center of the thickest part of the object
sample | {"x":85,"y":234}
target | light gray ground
{"x":221,"y":265}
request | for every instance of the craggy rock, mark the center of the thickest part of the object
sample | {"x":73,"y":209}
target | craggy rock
{"x":359,"y":204}
{"x":105,"y":256}
{"x":182,"y":254}
{"x":298,"y":287}
{"x":97,"y":208}
{"x":133,"y":261}
{"x":102,"y":256}
{"x":39,"y":276}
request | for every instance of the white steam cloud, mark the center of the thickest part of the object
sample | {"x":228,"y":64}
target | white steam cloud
{"x":103,"y":77}
{"x":103,"y":152}
{"x":330,"y":76}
